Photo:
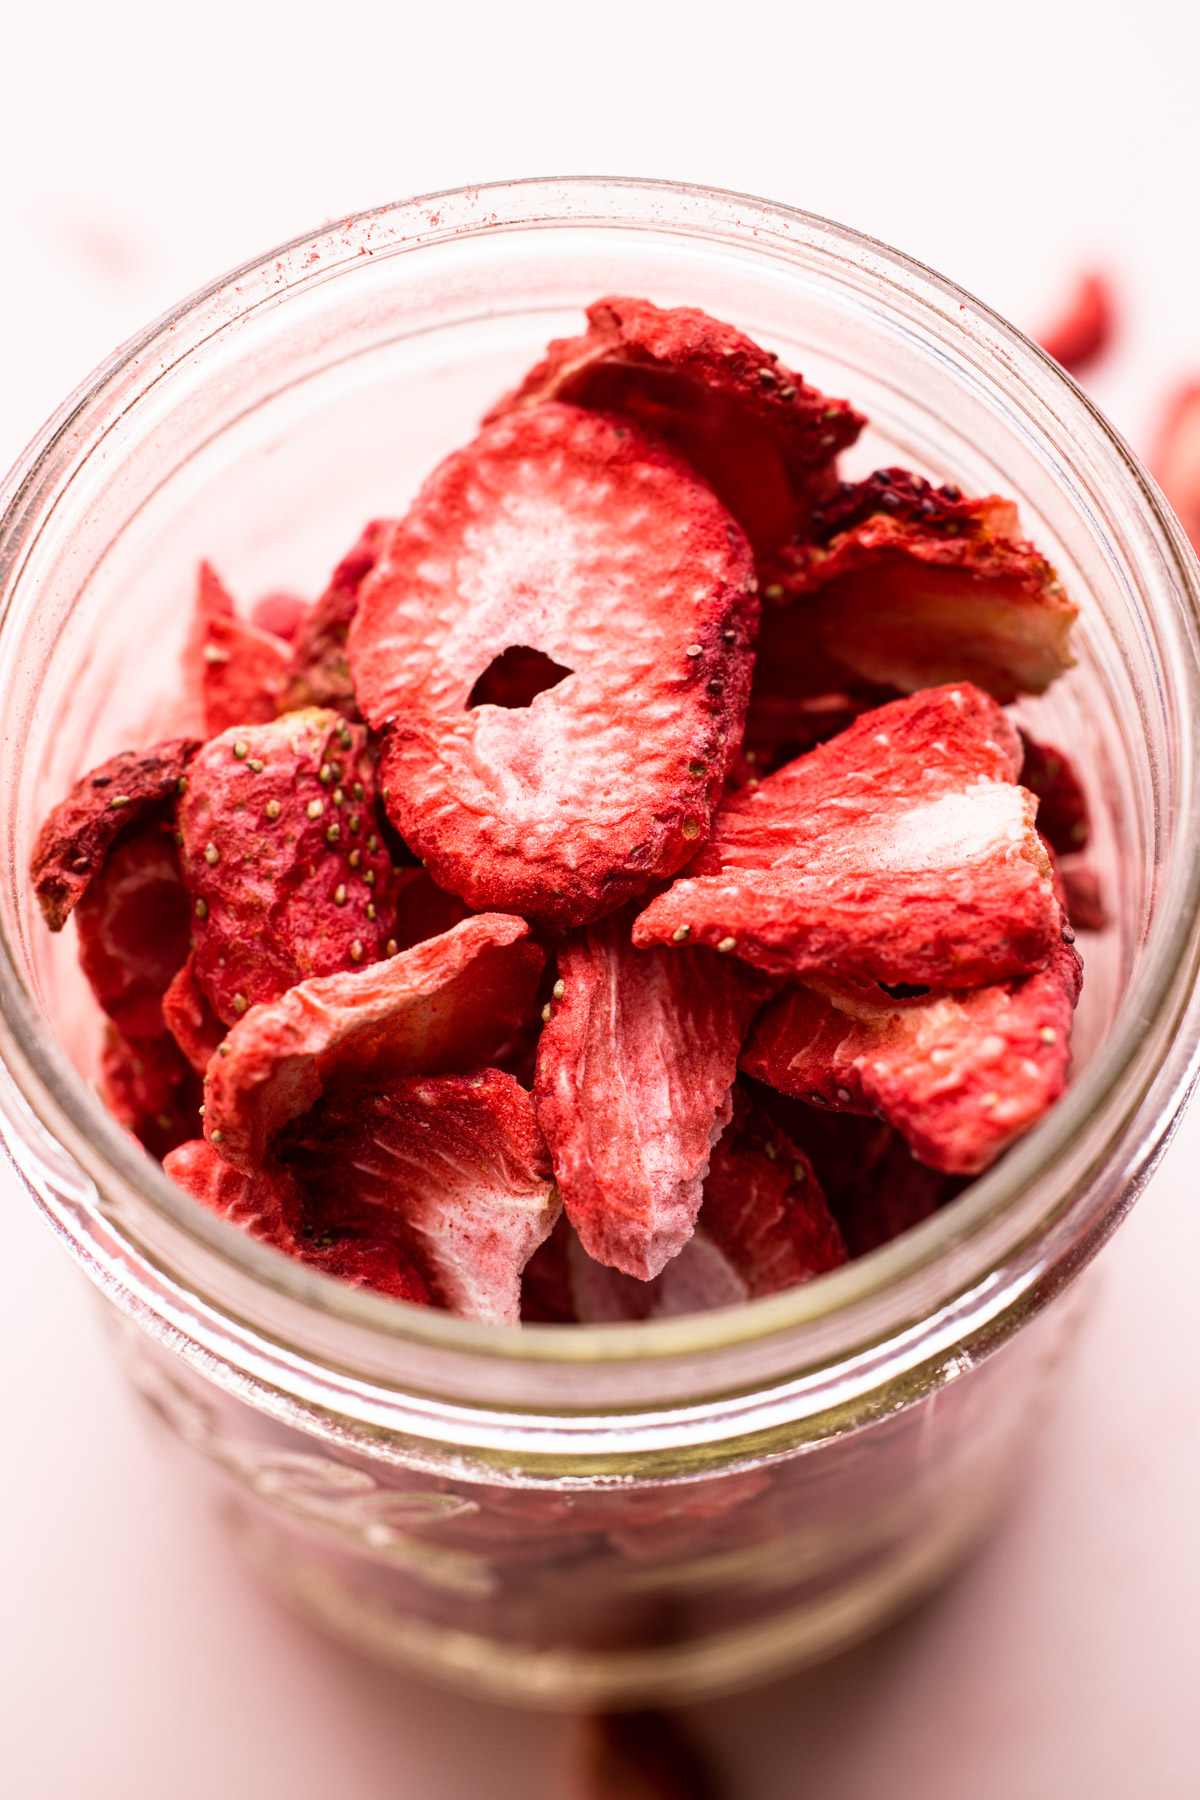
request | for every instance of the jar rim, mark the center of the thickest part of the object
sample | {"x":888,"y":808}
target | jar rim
{"x":1137,"y":1076}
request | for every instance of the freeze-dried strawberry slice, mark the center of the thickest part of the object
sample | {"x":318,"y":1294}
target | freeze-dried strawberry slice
{"x":237,"y":670}
{"x":572,"y":534}
{"x":900,"y":851}
{"x":763,"y":438}
{"x":133,"y":925}
{"x":1176,"y":460}
{"x":319,"y":674}
{"x":282,"y":614}
{"x":279,"y":849}
{"x":634,"y":1070}
{"x":763,"y":1206}
{"x":1080,"y":336}
{"x":1083,"y":895}
{"x":908,"y":586}
{"x":1062,"y":806}
{"x":149,"y":1089}
{"x":114,"y":798}
{"x":442,"y":1006}
{"x":269,"y":1205}
{"x":546,"y":1283}
{"x":452,"y":1168}
{"x":188,"y":1015}
{"x":959,"y":1074}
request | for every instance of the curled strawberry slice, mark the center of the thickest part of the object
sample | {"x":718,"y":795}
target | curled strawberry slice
{"x":634,"y":1071}
{"x":905,"y":586}
{"x":900,"y":851}
{"x":765,"y":440}
{"x":116,"y":799}
{"x":236,"y":671}
{"x":959,"y":1074}
{"x":574,"y":536}
{"x":150,"y":1089}
{"x":451,"y":1168}
{"x":442,"y":1006}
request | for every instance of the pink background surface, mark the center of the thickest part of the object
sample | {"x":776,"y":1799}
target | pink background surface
{"x":1006,"y":149}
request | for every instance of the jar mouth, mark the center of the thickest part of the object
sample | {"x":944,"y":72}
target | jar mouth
{"x":1102,"y":1135}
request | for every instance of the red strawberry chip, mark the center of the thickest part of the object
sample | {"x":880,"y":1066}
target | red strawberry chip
{"x":911,"y":586}
{"x":190,"y":1019}
{"x":133,"y":924}
{"x":634,"y":1070}
{"x":897,"y":1193}
{"x":1062,"y":806}
{"x":238,"y":669}
{"x":576,"y":536}
{"x":1085,"y":329}
{"x":269,"y":1205}
{"x":280,"y":851}
{"x":900,"y":851}
{"x":763,"y":1206}
{"x":442,"y":1006}
{"x":78,"y":834}
{"x":319,"y":673}
{"x":763,"y":438}
{"x":959,"y":1074}
{"x":452,"y":1168}
{"x":150,"y":1089}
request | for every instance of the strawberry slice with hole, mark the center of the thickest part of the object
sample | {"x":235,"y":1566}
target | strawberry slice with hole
{"x":900,"y":851}
{"x":452,"y":1168}
{"x":119,"y":797}
{"x":765,"y":440}
{"x":910,"y":586}
{"x":634,"y":1071}
{"x":289,"y":876}
{"x":441,"y":1007}
{"x":960,"y":1075}
{"x":630,"y":592}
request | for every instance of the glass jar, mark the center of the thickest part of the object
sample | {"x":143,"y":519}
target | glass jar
{"x":565,"y":1514}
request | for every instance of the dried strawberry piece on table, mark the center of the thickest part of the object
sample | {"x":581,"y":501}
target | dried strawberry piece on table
{"x":904,"y":585}
{"x":452,"y":1168}
{"x":280,"y":851}
{"x":150,"y":1089}
{"x":959,"y":1074}
{"x":1062,"y":815}
{"x":638,"y":1756}
{"x":1083,"y":332}
{"x":441,"y":1007}
{"x":133,"y":924}
{"x":319,"y":672}
{"x":765,"y":440}
{"x":575,"y":535}
{"x":269,"y":1205}
{"x":634,"y":1071}
{"x":114,"y":798}
{"x":900,"y":851}
{"x":189,"y":1017}
{"x":236,"y":670}
{"x":1176,"y":460}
